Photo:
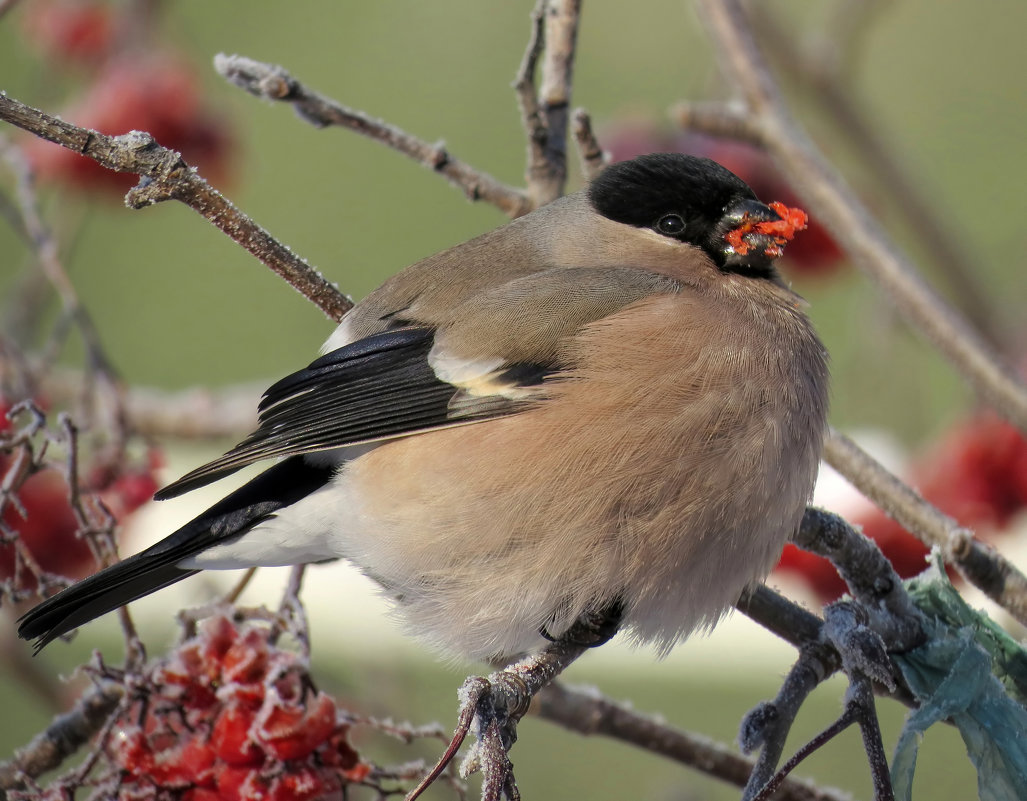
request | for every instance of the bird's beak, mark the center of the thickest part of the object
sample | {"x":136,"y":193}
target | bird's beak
{"x":754,"y":234}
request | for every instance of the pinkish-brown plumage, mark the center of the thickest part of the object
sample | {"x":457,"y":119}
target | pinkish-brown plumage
{"x":667,"y":469}
{"x":613,"y":402}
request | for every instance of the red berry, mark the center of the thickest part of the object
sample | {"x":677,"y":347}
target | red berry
{"x":217,"y":635}
{"x":48,"y":528}
{"x":291,"y":730}
{"x":817,"y":571}
{"x":246,"y":660}
{"x":232,"y":739}
{"x":301,"y":784}
{"x":285,"y":747}
{"x":154,"y":93}
{"x":240,"y":784}
{"x":81,"y":31}
{"x":338,"y":753}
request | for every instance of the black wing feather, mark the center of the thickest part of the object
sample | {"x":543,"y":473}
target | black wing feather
{"x":373,"y":389}
{"x":157,"y":566}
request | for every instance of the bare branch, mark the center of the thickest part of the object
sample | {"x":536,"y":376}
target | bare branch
{"x":545,"y":111}
{"x":727,"y":120}
{"x":492,"y":706}
{"x":593,"y":160}
{"x":7,"y":5}
{"x":167,"y":176}
{"x":827,"y":196}
{"x":869,"y":575}
{"x":46,"y":249}
{"x":859,"y":708}
{"x":61,"y":739}
{"x":819,"y":70}
{"x":272,"y":82}
{"x":527,"y":99}
{"x":561,"y":24}
{"x":587,"y":712}
{"x":981,"y":565}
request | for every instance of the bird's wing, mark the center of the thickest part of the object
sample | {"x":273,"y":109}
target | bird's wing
{"x":490,"y":361}
{"x":373,"y":389}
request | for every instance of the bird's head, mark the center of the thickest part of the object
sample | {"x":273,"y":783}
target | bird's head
{"x":697,"y":201}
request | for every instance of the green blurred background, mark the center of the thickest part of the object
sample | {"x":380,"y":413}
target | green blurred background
{"x":177,"y":304}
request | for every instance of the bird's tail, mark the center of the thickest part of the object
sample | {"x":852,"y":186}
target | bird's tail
{"x":157,"y":566}
{"x":97,"y":595}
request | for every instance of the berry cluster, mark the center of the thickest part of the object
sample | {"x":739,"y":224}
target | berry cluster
{"x":131,"y":84}
{"x":230,"y":716}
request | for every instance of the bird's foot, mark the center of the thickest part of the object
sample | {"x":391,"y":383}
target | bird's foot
{"x":593,"y":628}
{"x":491,"y":706}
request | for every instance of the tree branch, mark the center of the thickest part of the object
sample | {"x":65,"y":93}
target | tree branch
{"x":272,"y":82}
{"x":166,"y":176}
{"x":818,"y":70}
{"x":587,"y":712}
{"x":61,"y":739}
{"x":827,"y":196}
{"x":981,"y":565}
{"x":554,"y":97}
{"x":593,"y":160}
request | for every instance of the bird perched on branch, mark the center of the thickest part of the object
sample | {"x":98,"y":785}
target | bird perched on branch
{"x":612,"y":404}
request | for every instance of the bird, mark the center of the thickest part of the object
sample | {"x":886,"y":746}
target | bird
{"x":611,"y":405}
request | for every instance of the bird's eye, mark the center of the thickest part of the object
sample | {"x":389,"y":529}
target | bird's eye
{"x":670,"y":224}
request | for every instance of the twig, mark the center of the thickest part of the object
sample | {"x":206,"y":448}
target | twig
{"x":728,"y":120}
{"x":166,"y":176}
{"x":766,"y":727}
{"x":45,"y":247}
{"x":291,"y":615}
{"x":492,"y":706}
{"x":789,"y":621}
{"x":588,"y":713}
{"x":859,"y":708}
{"x":767,"y":791}
{"x":981,"y":565}
{"x":855,"y":635}
{"x":870,"y":577}
{"x":554,"y":97}
{"x":61,"y":739}
{"x":272,"y":82}
{"x":593,"y":160}
{"x":7,"y":5}
{"x":827,"y":196}
{"x":545,"y":110}
{"x":99,"y":535}
{"x":528,"y":101}
{"x":198,"y":413}
{"x":819,"y":70}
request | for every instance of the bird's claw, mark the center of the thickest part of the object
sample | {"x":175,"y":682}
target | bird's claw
{"x":499,"y":702}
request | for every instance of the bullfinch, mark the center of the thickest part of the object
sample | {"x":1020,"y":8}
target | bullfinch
{"x":611,"y":403}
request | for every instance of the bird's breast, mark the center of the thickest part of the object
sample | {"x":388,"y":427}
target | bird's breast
{"x":666,"y":469}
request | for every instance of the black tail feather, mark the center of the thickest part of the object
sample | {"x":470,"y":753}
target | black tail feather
{"x":95,"y":596}
{"x":157,"y":566}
